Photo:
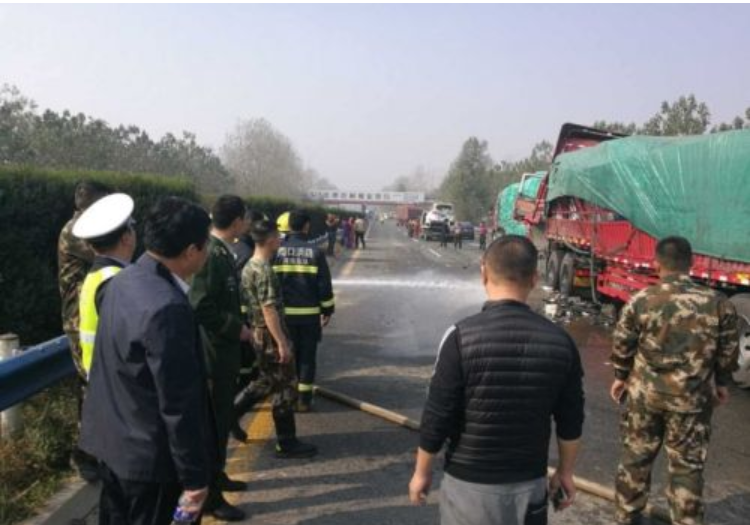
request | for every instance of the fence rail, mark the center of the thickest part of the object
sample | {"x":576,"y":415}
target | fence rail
{"x":33,"y":370}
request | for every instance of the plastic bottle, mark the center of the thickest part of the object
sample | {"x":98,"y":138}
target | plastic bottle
{"x":182,"y":516}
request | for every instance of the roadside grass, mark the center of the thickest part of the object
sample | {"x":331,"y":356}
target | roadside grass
{"x":34,"y":465}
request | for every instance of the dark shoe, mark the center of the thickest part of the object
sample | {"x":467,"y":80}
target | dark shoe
{"x":238,"y":434}
{"x":227,"y":512}
{"x":226,"y":484}
{"x":87,"y":466}
{"x":295,"y":450}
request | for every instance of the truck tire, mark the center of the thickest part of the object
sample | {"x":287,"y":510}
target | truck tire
{"x":567,"y":274}
{"x":552,"y":271}
{"x":742,"y":304}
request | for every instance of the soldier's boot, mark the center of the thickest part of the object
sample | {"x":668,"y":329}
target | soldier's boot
{"x":287,"y":444}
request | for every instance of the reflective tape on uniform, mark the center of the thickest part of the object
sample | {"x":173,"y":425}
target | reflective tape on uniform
{"x":302,"y":387}
{"x":295,"y":268}
{"x":292,"y":310}
{"x":327,"y":304}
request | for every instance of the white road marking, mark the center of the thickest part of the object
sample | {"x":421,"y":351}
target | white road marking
{"x":436,"y":254}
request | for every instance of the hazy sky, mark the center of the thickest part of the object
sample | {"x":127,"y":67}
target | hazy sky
{"x":367,"y":93}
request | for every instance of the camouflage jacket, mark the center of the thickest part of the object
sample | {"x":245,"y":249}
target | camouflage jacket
{"x":262,"y":288}
{"x":673,"y":341}
{"x":74,"y":259}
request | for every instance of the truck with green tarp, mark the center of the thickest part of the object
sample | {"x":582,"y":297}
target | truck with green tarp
{"x":514,"y":198}
{"x":607,"y":199}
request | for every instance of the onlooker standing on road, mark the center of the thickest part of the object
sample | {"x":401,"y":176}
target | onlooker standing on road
{"x":500,"y":377}
{"x":147,"y":413}
{"x":482,"y":236}
{"x":674,"y":349}
{"x":332,"y":228}
{"x":360,"y":228}
{"x":215,"y":296}
{"x":308,"y":300}
{"x":74,"y":260}
{"x":457,"y":238}
{"x":444,"y":234}
{"x":243,"y":246}
{"x":275,"y":360}
{"x":346,"y":228}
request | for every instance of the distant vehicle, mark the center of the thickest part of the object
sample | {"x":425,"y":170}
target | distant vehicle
{"x":406,"y":213}
{"x":433,"y":221}
{"x":467,"y":231}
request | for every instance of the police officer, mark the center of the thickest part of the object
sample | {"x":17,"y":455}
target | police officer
{"x":308,"y":299}
{"x":215,"y":296}
{"x":74,"y":259}
{"x":107,"y":227}
{"x":674,"y":349}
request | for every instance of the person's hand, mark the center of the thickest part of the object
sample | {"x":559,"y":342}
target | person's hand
{"x":285,"y":352}
{"x":721,"y":396}
{"x":617,"y":390}
{"x":193,"y":500}
{"x":419,"y":488}
{"x":564,"y":480}
{"x":246,"y":334}
{"x":324,"y":320}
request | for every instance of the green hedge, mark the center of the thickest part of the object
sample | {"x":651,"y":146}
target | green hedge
{"x":34,"y":206}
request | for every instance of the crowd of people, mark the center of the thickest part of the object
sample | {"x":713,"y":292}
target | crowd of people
{"x":161,"y":343}
{"x":352,"y":233}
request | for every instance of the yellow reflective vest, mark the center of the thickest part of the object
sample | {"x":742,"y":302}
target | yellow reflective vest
{"x":89,"y":315}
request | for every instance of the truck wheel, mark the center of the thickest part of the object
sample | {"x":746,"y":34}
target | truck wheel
{"x":552,"y":272}
{"x":742,"y":304}
{"x":567,"y":274}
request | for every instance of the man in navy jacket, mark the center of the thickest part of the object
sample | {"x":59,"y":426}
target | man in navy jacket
{"x":147,"y":417}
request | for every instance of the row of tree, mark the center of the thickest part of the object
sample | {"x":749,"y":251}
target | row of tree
{"x":474,"y":179}
{"x":256,"y":159}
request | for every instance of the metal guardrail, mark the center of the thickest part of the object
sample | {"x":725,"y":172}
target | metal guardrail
{"x":33,"y":370}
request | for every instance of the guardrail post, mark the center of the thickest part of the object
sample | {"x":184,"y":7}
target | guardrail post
{"x":11,"y":422}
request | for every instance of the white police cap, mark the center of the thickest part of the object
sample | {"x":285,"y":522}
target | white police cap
{"x":104,"y":216}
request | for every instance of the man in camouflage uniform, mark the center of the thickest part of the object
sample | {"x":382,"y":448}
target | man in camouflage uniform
{"x":74,"y":259}
{"x":274,"y":356}
{"x":674,"y":349}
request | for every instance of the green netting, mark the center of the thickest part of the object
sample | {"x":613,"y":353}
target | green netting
{"x":697,"y":187}
{"x":506,"y":200}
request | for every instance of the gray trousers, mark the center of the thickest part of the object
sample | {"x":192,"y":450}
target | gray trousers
{"x":464,"y":503}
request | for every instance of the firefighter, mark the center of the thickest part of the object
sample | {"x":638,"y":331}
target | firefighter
{"x":308,"y":299}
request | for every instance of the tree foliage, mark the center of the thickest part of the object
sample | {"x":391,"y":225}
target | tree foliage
{"x":468,"y":180}
{"x":263,"y":161}
{"x":69,"y":140}
{"x":685,"y":116}
{"x":420,"y":179}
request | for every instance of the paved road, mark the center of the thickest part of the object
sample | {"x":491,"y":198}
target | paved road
{"x":394,"y":302}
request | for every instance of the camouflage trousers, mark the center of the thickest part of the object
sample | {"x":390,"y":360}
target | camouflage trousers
{"x":279,"y":381}
{"x":685,"y":437}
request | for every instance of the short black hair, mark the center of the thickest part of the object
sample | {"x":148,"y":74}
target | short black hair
{"x":173,"y":224}
{"x":226,"y":210}
{"x":298,"y":219}
{"x":252,"y":215}
{"x":88,"y":192}
{"x":261,"y":231}
{"x":512,"y":258}
{"x":109,"y":241}
{"x":674,"y":254}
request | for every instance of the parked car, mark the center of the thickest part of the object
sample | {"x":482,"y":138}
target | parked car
{"x":467,"y":231}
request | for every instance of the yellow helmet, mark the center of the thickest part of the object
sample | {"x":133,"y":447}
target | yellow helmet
{"x":282,"y":223}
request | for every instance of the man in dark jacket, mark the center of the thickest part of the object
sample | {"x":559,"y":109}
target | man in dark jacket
{"x":147,"y":414}
{"x":215,"y":296}
{"x":308,"y":299}
{"x":501,"y":376}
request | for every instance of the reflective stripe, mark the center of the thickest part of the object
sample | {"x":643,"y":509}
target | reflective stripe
{"x":328,"y":304}
{"x":291,"y":310}
{"x":302,"y":387}
{"x":295,"y":268}
{"x":87,"y":337}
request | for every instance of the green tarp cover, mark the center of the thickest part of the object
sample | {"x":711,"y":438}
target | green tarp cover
{"x":506,"y":200}
{"x":697,"y":187}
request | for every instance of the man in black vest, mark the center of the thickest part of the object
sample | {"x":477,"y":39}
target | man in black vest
{"x":501,"y":376}
{"x":147,"y":415}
